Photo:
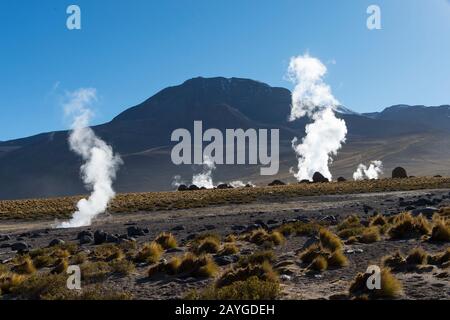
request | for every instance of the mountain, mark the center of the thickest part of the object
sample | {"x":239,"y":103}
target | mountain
{"x":415,"y":137}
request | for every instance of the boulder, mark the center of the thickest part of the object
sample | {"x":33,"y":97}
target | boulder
{"x":399,"y":173}
{"x":193,"y":187}
{"x":84,"y":239}
{"x":134,"y":231}
{"x":276,"y":183}
{"x":178,"y":228}
{"x":100,"y":237}
{"x":85,"y":233}
{"x":19,"y":246}
{"x":304,"y":181}
{"x":56,"y":242}
{"x":182,"y":187}
{"x":224,"y":186}
{"x":341,"y":179}
{"x":319,"y":178}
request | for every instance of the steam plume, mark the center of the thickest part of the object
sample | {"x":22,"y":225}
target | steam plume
{"x":313,"y":98}
{"x":100,"y":163}
{"x":374,"y":170}
{"x":204,"y":179}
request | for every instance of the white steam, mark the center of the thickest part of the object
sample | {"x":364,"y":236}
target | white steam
{"x":374,"y":170}
{"x":100,"y":164}
{"x":240,"y":184}
{"x":313,"y":98}
{"x":204,"y":179}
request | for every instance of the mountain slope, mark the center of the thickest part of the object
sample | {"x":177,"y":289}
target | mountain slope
{"x":43,"y":165}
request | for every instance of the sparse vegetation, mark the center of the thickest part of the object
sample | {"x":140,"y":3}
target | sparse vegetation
{"x":257,"y":258}
{"x":228,"y":249}
{"x":370,"y":235}
{"x":262,"y":271}
{"x":263,"y":237}
{"x":190,"y":265}
{"x":150,"y":253}
{"x":318,"y":264}
{"x":166,"y":241}
{"x":299,"y":228}
{"x":329,"y":240}
{"x":390,"y":287}
{"x":406,"y":227}
{"x":440,"y":232}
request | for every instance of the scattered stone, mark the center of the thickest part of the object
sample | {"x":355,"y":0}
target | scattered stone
{"x":56,"y":242}
{"x":284,"y":263}
{"x":319,"y":178}
{"x":238,"y":227}
{"x":193,"y":187}
{"x":210,"y":227}
{"x":182,"y":187}
{"x":329,"y":218}
{"x":399,"y":173}
{"x":178,"y":228}
{"x":277,"y":183}
{"x":303,"y":219}
{"x":367,"y":208}
{"x":134,"y":231}
{"x":224,"y":186}
{"x":100,"y":237}
{"x":174,"y":250}
{"x":4,"y":245}
{"x":85,"y":233}
{"x":428,"y":212}
{"x":285,"y":277}
{"x":226,"y":260}
{"x":111,"y":238}
{"x":271,"y":221}
{"x":19,"y":246}
{"x":341,"y":179}
{"x":85,"y":239}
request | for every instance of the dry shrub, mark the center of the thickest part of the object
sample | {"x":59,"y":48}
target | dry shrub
{"x":319,"y":264}
{"x":122,"y":267}
{"x":150,"y":253}
{"x":337,"y":260}
{"x":370,"y":235}
{"x":394,"y":262}
{"x":95,"y":271}
{"x":440,"y":258}
{"x":252,"y":288}
{"x":350,"y":226}
{"x":329,"y":240}
{"x":417,"y":256}
{"x":259,"y":257}
{"x":299,"y":228}
{"x":43,"y":287}
{"x":79,"y":258}
{"x":262,"y":237}
{"x":378,"y":220}
{"x":310,"y":253}
{"x":390,"y":286}
{"x":25,"y":266}
{"x":407,"y":227}
{"x":262,"y":271}
{"x":108,"y":252}
{"x":166,"y":241}
{"x":208,"y":245}
{"x":190,"y":265}
{"x":440,"y":232}
{"x":229,"y":249}
{"x":230,"y":238}
{"x":60,"y":266}
{"x":10,"y":280}
{"x":44,"y":261}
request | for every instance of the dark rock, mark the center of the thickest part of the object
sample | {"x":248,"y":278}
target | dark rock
{"x":85,"y":233}
{"x":409,"y":208}
{"x":56,"y":242}
{"x":210,"y":227}
{"x":341,"y":179}
{"x":367,"y":208}
{"x":319,"y":178}
{"x":86,"y":239}
{"x":111,"y":238}
{"x":428,"y":212}
{"x":134,"y":231}
{"x":303,"y":219}
{"x":238,"y":227}
{"x":191,"y":236}
{"x":5,"y":238}
{"x":252,"y":227}
{"x":271,"y":221}
{"x":399,"y":173}
{"x":304,"y":181}
{"x":178,"y":228}
{"x":226,"y":260}
{"x":100,"y":237}
{"x":19,"y":246}
{"x":438,"y":176}
{"x":249,"y":185}
{"x":276,"y":183}
{"x":224,"y":186}
{"x":193,"y":187}
{"x":182,"y":187}
{"x":329,"y":218}
{"x":174,"y":250}
{"x":4,"y":245}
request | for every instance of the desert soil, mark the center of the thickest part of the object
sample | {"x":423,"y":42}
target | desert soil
{"x":426,"y":283}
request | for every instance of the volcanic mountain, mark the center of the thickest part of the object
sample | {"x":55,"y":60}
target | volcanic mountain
{"x":415,"y":137}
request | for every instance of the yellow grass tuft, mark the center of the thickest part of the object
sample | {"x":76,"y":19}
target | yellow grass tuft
{"x":166,"y":241}
{"x":150,"y":253}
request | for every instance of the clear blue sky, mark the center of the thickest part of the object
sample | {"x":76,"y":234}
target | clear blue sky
{"x":129,"y":50}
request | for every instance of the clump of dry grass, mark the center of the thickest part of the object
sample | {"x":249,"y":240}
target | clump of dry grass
{"x":44,"y":261}
{"x":230,"y":238}
{"x":262,"y":271}
{"x":60,"y":266}
{"x":206,"y":243}
{"x":95,"y":271}
{"x":10,"y":280}
{"x":252,"y":288}
{"x":299,"y":228}
{"x":378,"y":220}
{"x":189,"y":265}
{"x":108,"y":252}
{"x":337,"y":259}
{"x":166,"y":241}
{"x":417,"y":256}
{"x":150,"y":253}
{"x":350,"y":226}
{"x":228,"y":249}
{"x":440,"y":259}
{"x":258,"y":257}
{"x":329,"y":240}
{"x":394,"y":262}
{"x":440,"y":232}
{"x":25,"y":266}
{"x":319,"y":264}
{"x":406,"y":227}
{"x":263,"y":237}
{"x":122,"y":267}
{"x":390,"y":287}
{"x":370,"y":235}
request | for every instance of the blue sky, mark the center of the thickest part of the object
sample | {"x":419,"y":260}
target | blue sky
{"x":129,"y":50}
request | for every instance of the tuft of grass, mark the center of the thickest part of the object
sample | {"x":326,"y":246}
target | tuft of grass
{"x":337,"y":260}
{"x":299,"y":228}
{"x":108,"y":252}
{"x":310,"y":253}
{"x":259,"y":257}
{"x":262,"y":237}
{"x":262,"y":271}
{"x":189,"y":265}
{"x":229,"y":249}
{"x":60,"y":266}
{"x":10,"y":280}
{"x":318,"y":264}
{"x":390,"y":287}
{"x":378,"y":220}
{"x":370,"y":235}
{"x":440,"y":258}
{"x":150,"y":253}
{"x":79,"y":258}
{"x":252,"y":288}
{"x":207,"y":245}
{"x":44,"y":261}
{"x":122,"y":267}
{"x":417,"y":256}
{"x":166,"y":240}
{"x":407,"y":227}
{"x":440,"y":232}
{"x":230,"y":238}
{"x":25,"y":266}
{"x":95,"y":271}
{"x":329,"y":240}
{"x":394,"y":262}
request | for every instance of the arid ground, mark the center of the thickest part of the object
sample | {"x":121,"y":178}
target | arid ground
{"x":272,"y":234}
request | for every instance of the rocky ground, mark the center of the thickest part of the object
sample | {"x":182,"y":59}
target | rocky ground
{"x":429,"y":282}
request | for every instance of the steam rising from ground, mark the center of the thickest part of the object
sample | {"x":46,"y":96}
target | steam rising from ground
{"x":313,"y":98}
{"x":204,"y":179}
{"x":374,"y":170}
{"x":100,"y":164}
